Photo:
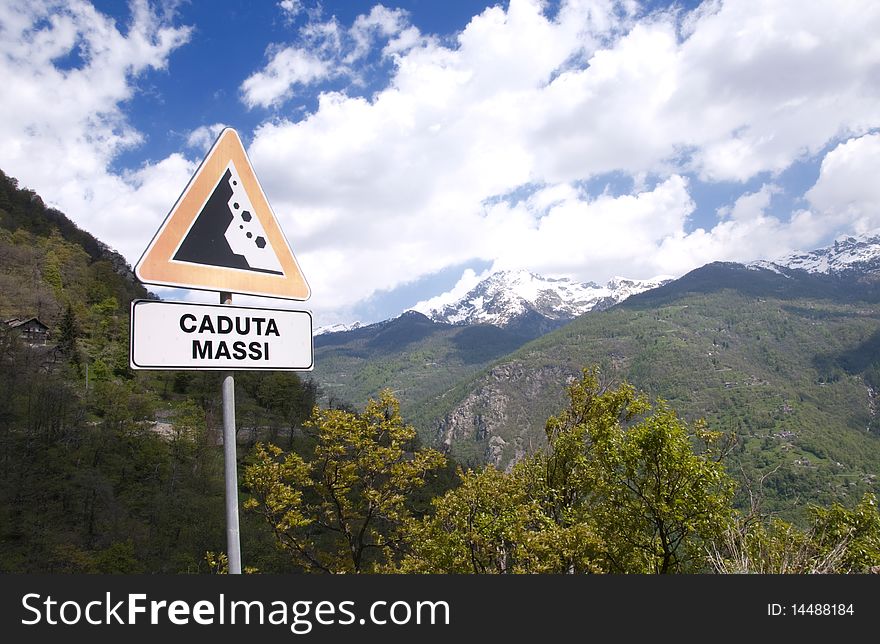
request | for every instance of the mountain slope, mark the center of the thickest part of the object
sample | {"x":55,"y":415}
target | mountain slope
{"x":420,"y":356}
{"x":412,"y":355}
{"x":791,"y":365}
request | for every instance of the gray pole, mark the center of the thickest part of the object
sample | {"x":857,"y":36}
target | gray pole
{"x":233,"y":547}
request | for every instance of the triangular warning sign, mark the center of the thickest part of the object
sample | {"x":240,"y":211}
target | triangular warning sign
{"x":222,"y":235}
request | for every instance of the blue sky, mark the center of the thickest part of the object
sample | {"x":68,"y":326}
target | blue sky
{"x":409,"y":148}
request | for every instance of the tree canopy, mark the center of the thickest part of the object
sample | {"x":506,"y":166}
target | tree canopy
{"x":622,"y":487}
{"x":340,"y":508}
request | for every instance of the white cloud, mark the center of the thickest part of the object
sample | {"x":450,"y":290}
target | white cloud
{"x":745,"y":233}
{"x":779,"y":82}
{"x":405,"y":40}
{"x":754,"y":87}
{"x":325,"y":49}
{"x":643,"y":234}
{"x":425,"y":173}
{"x":750,"y":206}
{"x":848,"y":187}
{"x":590,"y":238}
{"x":204,"y":136}
{"x":290,"y":8}
{"x":380,"y":23}
{"x":63,"y":125}
{"x":288,"y":67}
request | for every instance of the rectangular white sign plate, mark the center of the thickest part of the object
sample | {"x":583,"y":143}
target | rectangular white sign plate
{"x":184,"y":336}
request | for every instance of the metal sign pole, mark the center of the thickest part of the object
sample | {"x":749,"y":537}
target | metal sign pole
{"x":233,"y":546}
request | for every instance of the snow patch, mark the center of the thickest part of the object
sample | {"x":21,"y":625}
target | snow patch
{"x":337,"y":328}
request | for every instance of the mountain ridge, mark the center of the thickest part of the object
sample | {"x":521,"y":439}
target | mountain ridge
{"x":504,"y":297}
{"x":850,"y":254}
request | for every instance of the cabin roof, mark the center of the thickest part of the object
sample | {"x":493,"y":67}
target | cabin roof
{"x":17,"y":322}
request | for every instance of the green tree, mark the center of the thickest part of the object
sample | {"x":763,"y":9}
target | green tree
{"x":52,"y":275}
{"x":341,"y":509}
{"x":857,"y":528}
{"x":622,"y":487}
{"x":68,"y":334}
{"x":280,"y":401}
{"x":652,"y":485}
{"x":496,"y":523}
{"x":837,"y":540}
{"x":5,"y":203}
{"x":482,"y":526}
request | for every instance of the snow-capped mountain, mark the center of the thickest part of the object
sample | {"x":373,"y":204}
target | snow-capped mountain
{"x":850,"y":254}
{"x":508,"y":296}
{"x":337,"y":328}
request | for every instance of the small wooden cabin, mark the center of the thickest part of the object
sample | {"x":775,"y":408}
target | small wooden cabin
{"x":32,"y":330}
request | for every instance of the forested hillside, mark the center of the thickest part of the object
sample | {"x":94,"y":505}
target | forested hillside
{"x":103,"y":469}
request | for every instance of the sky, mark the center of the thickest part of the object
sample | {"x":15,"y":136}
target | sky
{"x":410,"y":148}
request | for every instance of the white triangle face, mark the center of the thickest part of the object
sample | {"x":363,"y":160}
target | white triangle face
{"x":222,"y":234}
{"x":245,"y":235}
